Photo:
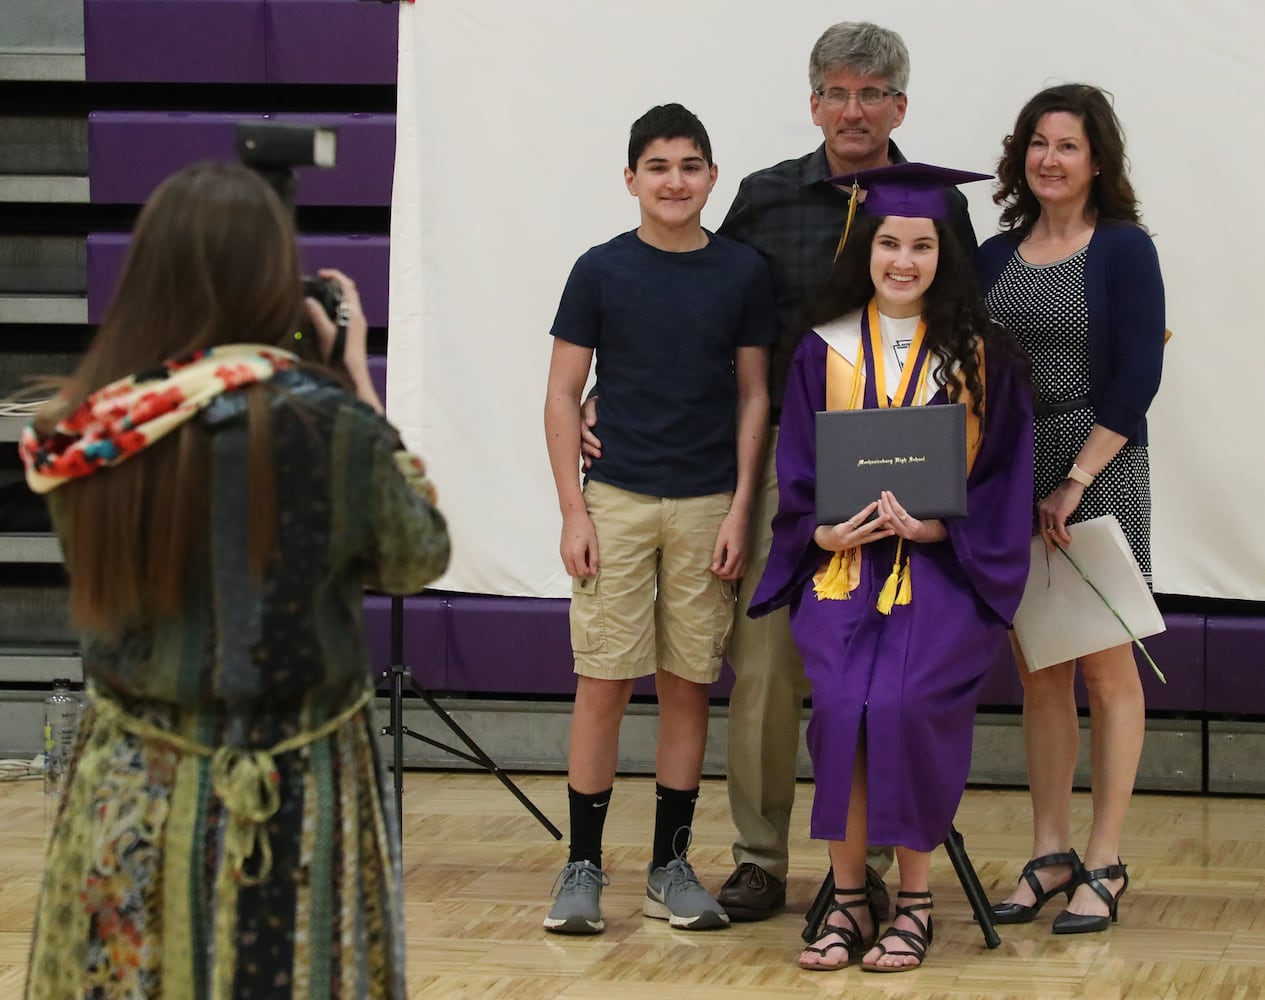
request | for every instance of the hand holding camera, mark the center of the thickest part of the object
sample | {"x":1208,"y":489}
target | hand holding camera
{"x":341,"y":329}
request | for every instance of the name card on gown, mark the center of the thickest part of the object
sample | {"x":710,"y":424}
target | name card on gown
{"x":917,"y":452}
{"x":1061,"y":617}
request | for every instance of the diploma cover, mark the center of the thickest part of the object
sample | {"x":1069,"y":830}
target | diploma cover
{"x":1061,"y":617}
{"x":917,"y":452}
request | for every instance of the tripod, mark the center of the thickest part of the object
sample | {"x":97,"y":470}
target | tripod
{"x":953,"y":846}
{"x":399,"y":676}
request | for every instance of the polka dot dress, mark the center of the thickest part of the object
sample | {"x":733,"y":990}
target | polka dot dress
{"x":1044,"y":307}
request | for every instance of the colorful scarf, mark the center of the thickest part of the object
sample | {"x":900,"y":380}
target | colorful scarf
{"x":118,"y":420}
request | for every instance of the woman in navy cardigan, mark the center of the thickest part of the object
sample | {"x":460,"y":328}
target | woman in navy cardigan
{"x":1076,"y":278}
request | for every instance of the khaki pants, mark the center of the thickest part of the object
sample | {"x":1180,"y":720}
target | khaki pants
{"x":655,"y":604}
{"x":765,"y":706}
{"x":765,"y":709}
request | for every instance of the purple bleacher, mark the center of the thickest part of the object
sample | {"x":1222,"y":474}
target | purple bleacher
{"x":425,"y":637}
{"x":509,"y":645}
{"x":520,"y":645}
{"x":130,"y":152}
{"x":190,"y":41}
{"x":1235,"y":681}
{"x":1179,"y":653}
{"x":366,"y":259}
{"x":332,"y":41}
{"x":240,"y":41}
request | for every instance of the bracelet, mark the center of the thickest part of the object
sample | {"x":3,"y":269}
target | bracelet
{"x":1079,"y":475}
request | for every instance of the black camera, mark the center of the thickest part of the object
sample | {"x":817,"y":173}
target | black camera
{"x":326,"y":292}
{"x":273,"y":150}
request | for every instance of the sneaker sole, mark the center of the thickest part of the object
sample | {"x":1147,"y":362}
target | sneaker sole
{"x":574,"y":925}
{"x":708,"y":921}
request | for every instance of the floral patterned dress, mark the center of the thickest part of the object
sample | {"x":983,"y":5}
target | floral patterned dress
{"x":226,"y":829}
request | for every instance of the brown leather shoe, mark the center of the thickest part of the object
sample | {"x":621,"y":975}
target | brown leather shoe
{"x":751,"y":893}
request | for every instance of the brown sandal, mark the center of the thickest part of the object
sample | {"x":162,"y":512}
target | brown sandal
{"x":916,"y":944}
{"x":851,"y":940}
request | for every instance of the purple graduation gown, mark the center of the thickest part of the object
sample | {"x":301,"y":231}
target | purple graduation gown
{"x":910,"y":681}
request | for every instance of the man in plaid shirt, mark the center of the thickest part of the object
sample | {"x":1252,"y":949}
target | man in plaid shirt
{"x":794,"y":218}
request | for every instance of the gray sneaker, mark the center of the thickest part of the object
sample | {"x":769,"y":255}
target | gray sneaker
{"x":674,"y":894}
{"x":577,"y":906}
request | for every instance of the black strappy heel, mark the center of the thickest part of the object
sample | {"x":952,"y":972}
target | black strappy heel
{"x":916,"y":943}
{"x":1085,"y":923}
{"x":1018,"y":913}
{"x":850,"y":938}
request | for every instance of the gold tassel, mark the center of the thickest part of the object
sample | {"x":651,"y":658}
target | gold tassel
{"x":906,"y":593}
{"x":887,"y":596}
{"x":847,"y":226}
{"x":837,"y":581}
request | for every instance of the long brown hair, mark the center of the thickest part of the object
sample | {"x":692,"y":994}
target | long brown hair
{"x":212,"y":261}
{"x":956,"y":317}
{"x":1111,"y":196}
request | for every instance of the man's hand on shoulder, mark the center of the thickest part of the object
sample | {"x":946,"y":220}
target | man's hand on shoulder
{"x":590,"y":443}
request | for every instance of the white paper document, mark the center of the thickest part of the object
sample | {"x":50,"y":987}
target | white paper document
{"x":1061,"y":618}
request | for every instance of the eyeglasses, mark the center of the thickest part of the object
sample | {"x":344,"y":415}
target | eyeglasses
{"x":867,"y":97}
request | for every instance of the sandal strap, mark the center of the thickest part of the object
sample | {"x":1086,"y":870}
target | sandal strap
{"x":1118,"y":870}
{"x":1049,"y":860}
{"x":908,"y":911}
{"x":1029,"y":873}
{"x":850,"y":937}
{"x":1093,"y":877}
{"x":917,"y":941}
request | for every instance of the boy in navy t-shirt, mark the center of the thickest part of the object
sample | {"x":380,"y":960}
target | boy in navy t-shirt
{"x":681,"y":321}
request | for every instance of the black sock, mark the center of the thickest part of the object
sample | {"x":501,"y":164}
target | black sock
{"x":673,"y":818}
{"x":588,"y":817}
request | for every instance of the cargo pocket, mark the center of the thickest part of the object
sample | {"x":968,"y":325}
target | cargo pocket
{"x":588,"y":626}
{"x":723,"y":623}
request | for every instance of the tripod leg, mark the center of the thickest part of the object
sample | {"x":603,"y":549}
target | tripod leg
{"x":398,"y":674}
{"x":971,"y":886}
{"x":483,"y":759}
{"x":397,"y":740}
{"x":817,"y":912}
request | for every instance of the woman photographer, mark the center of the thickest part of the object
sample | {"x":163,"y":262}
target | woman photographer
{"x":223,"y":831}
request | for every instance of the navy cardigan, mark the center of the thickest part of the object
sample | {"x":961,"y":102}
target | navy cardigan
{"x":1124,"y":294}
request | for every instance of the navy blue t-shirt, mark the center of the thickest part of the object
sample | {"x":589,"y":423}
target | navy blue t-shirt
{"x":665,"y":328}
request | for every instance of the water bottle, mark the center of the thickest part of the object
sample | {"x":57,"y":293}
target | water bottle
{"x":61,"y":720}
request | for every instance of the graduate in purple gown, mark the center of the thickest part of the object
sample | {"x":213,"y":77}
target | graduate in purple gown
{"x":898,"y":618}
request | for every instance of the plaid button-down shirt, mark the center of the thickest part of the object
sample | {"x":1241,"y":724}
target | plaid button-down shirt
{"x":794,"y":219}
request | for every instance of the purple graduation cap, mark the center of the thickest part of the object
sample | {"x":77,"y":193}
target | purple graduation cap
{"x":910,"y":190}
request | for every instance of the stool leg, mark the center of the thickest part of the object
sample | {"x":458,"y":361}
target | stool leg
{"x":971,"y":886}
{"x":817,"y":912}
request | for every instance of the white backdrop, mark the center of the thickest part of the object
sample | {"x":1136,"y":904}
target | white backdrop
{"x":513,"y":125}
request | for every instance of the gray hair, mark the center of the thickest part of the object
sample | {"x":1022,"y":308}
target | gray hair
{"x":862,"y":47}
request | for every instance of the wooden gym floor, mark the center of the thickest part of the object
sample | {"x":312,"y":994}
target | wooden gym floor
{"x":478,"y":871}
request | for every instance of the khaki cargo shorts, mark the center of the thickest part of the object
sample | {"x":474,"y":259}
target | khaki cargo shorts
{"x":655,"y":601}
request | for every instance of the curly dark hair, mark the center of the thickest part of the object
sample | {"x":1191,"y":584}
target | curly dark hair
{"x":957,"y":319}
{"x":1111,"y":195}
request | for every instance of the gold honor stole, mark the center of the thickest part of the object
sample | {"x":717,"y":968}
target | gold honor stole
{"x":847,"y":388}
